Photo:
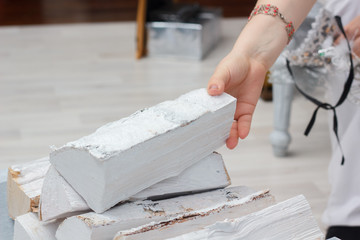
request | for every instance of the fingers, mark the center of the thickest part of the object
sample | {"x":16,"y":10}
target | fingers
{"x":338,"y":39}
{"x":240,"y":128}
{"x":244,"y":124}
{"x":217,"y":82}
{"x":233,"y":139}
{"x":356,"y":46}
{"x":243,"y":115}
{"x":352,"y":28}
{"x":241,"y":125}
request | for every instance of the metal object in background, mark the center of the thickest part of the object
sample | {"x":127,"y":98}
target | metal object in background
{"x":192,"y":39}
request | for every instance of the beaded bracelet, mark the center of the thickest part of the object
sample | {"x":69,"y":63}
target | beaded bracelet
{"x":272,"y":10}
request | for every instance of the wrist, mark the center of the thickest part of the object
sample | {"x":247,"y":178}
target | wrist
{"x":272,"y":10}
{"x":262,"y":40}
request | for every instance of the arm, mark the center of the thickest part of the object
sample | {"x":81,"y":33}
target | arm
{"x":242,"y":72}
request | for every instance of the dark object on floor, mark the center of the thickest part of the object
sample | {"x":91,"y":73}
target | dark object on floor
{"x":344,"y":232}
{"x":266,"y":92}
{"x":172,"y":12}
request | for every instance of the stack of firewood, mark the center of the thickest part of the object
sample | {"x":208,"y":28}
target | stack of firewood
{"x":152,"y":175}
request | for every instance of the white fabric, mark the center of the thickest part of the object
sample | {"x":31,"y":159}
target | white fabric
{"x":344,"y":202}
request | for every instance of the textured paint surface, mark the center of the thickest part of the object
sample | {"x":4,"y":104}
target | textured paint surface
{"x":125,"y":157}
{"x":233,"y":200}
{"x":291,"y":219}
{"x":28,"y":226}
{"x":59,"y":199}
{"x":130,"y":215}
{"x":148,"y":123}
{"x":29,"y":172}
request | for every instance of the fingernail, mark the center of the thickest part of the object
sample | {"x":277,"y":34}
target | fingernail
{"x":214,"y":87}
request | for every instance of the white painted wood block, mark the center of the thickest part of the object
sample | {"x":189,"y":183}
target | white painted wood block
{"x":29,"y":227}
{"x":59,"y":199}
{"x":24,"y":184}
{"x":223,"y":203}
{"x":123,"y":158}
{"x":207,"y":174}
{"x":291,"y":219}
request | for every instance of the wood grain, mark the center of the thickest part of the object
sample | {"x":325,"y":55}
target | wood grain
{"x":24,"y":186}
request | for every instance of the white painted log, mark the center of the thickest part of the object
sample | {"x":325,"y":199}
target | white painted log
{"x":123,"y":158}
{"x":291,"y":219}
{"x":207,"y":174}
{"x":222,"y":203}
{"x":197,"y":218}
{"x":29,"y":227}
{"x":24,"y":184}
{"x":59,"y":199}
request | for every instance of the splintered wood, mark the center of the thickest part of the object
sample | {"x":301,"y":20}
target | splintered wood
{"x":209,"y":206}
{"x":24,"y":184}
{"x":291,"y":219}
{"x":123,"y":158}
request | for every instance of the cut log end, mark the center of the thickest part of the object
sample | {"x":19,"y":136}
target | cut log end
{"x":18,"y":202}
{"x":24,"y":184}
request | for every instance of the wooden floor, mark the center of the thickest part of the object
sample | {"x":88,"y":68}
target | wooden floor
{"x":61,"y":82}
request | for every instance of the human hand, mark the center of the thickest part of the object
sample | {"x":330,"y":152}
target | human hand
{"x":352,"y":31}
{"x":243,"y":78}
{"x":242,"y":72}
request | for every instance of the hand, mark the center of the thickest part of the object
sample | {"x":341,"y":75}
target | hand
{"x":243,"y":78}
{"x":242,"y":72}
{"x":352,"y":31}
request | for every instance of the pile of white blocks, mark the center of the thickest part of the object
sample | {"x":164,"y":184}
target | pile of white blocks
{"x":152,"y":175}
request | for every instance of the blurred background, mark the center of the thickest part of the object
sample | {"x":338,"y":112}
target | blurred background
{"x":24,"y":12}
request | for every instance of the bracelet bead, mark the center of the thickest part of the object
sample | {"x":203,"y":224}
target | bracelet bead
{"x":272,"y":10}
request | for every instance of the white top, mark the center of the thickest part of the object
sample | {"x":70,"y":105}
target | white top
{"x":344,"y":200}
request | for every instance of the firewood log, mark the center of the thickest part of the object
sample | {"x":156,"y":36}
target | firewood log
{"x":59,"y":199}
{"x":29,"y":227}
{"x":213,"y":206}
{"x":125,"y":157}
{"x":24,"y":184}
{"x":291,"y":219}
